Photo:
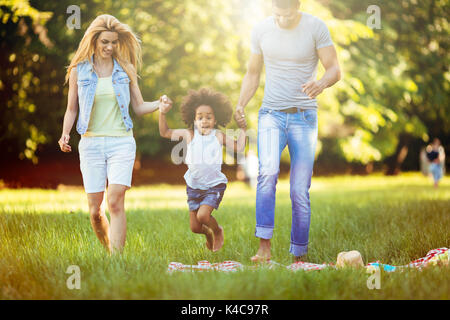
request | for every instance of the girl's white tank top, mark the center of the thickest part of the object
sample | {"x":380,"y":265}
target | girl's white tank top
{"x":204,"y":160}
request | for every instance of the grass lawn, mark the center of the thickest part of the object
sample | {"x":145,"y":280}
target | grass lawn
{"x":391,"y":219}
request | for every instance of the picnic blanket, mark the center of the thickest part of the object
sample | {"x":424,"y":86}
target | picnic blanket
{"x":438,"y":256}
{"x":204,"y":265}
{"x":434,"y":257}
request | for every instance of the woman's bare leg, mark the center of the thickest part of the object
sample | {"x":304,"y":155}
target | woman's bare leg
{"x":116,"y":205}
{"x":98,"y":218}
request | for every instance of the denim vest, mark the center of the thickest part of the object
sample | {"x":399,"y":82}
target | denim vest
{"x":87,"y":84}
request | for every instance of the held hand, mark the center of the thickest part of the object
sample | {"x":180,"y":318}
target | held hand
{"x":239,"y":117}
{"x":64,"y":143}
{"x":165,"y":104}
{"x":312,"y":89}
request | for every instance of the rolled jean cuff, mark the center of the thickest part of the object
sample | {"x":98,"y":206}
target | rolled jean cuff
{"x":298,"y":250}
{"x":264,"y":232}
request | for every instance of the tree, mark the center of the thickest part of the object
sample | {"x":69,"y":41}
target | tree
{"x":403,"y":70}
{"x":394,"y":91}
{"x":24,"y":38}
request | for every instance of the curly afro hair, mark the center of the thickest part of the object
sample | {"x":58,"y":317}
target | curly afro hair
{"x":217,"y":101}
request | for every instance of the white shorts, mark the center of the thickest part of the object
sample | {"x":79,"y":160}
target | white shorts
{"x":103,"y":158}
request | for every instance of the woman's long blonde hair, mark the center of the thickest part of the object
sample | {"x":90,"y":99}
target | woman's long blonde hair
{"x":128,"y":53}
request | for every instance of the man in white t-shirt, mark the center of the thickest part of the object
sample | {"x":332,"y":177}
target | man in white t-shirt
{"x":289,"y":43}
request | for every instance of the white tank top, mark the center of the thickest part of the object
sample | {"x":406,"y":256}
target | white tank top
{"x":204,"y":161}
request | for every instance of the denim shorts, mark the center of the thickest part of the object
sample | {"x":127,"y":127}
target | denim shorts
{"x":211,"y":197}
{"x":106,"y":159}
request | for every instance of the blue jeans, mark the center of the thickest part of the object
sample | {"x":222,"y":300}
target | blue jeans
{"x":436,"y":171}
{"x":277,"y":129}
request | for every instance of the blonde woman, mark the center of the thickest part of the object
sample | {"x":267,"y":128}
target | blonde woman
{"x":102,"y":80}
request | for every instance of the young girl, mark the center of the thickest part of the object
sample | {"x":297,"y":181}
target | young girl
{"x":203,"y":111}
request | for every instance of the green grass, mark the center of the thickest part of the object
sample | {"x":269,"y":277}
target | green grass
{"x":391,"y":219}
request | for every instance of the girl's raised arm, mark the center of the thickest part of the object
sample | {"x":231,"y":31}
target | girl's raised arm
{"x":232,"y":144}
{"x":165,"y":131}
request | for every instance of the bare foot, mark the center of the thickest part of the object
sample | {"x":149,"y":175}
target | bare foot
{"x":258,"y":258}
{"x":209,"y":237}
{"x":218,"y":240}
{"x":263,"y":254}
{"x":209,"y":241}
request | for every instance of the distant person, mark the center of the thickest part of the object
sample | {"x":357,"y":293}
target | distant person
{"x":103,"y":83}
{"x":203,"y":111}
{"x":436,"y":157}
{"x":290,"y":44}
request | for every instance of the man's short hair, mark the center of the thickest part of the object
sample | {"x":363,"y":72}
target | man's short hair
{"x":285,"y":4}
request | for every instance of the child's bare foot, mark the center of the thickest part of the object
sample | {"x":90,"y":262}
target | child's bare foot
{"x":209,"y":241}
{"x":218,"y":240}
{"x":209,"y":237}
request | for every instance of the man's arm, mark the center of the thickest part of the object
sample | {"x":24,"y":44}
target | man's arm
{"x":251,"y":79}
{"x":329,"y":60}
{"x":250,"y":84}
